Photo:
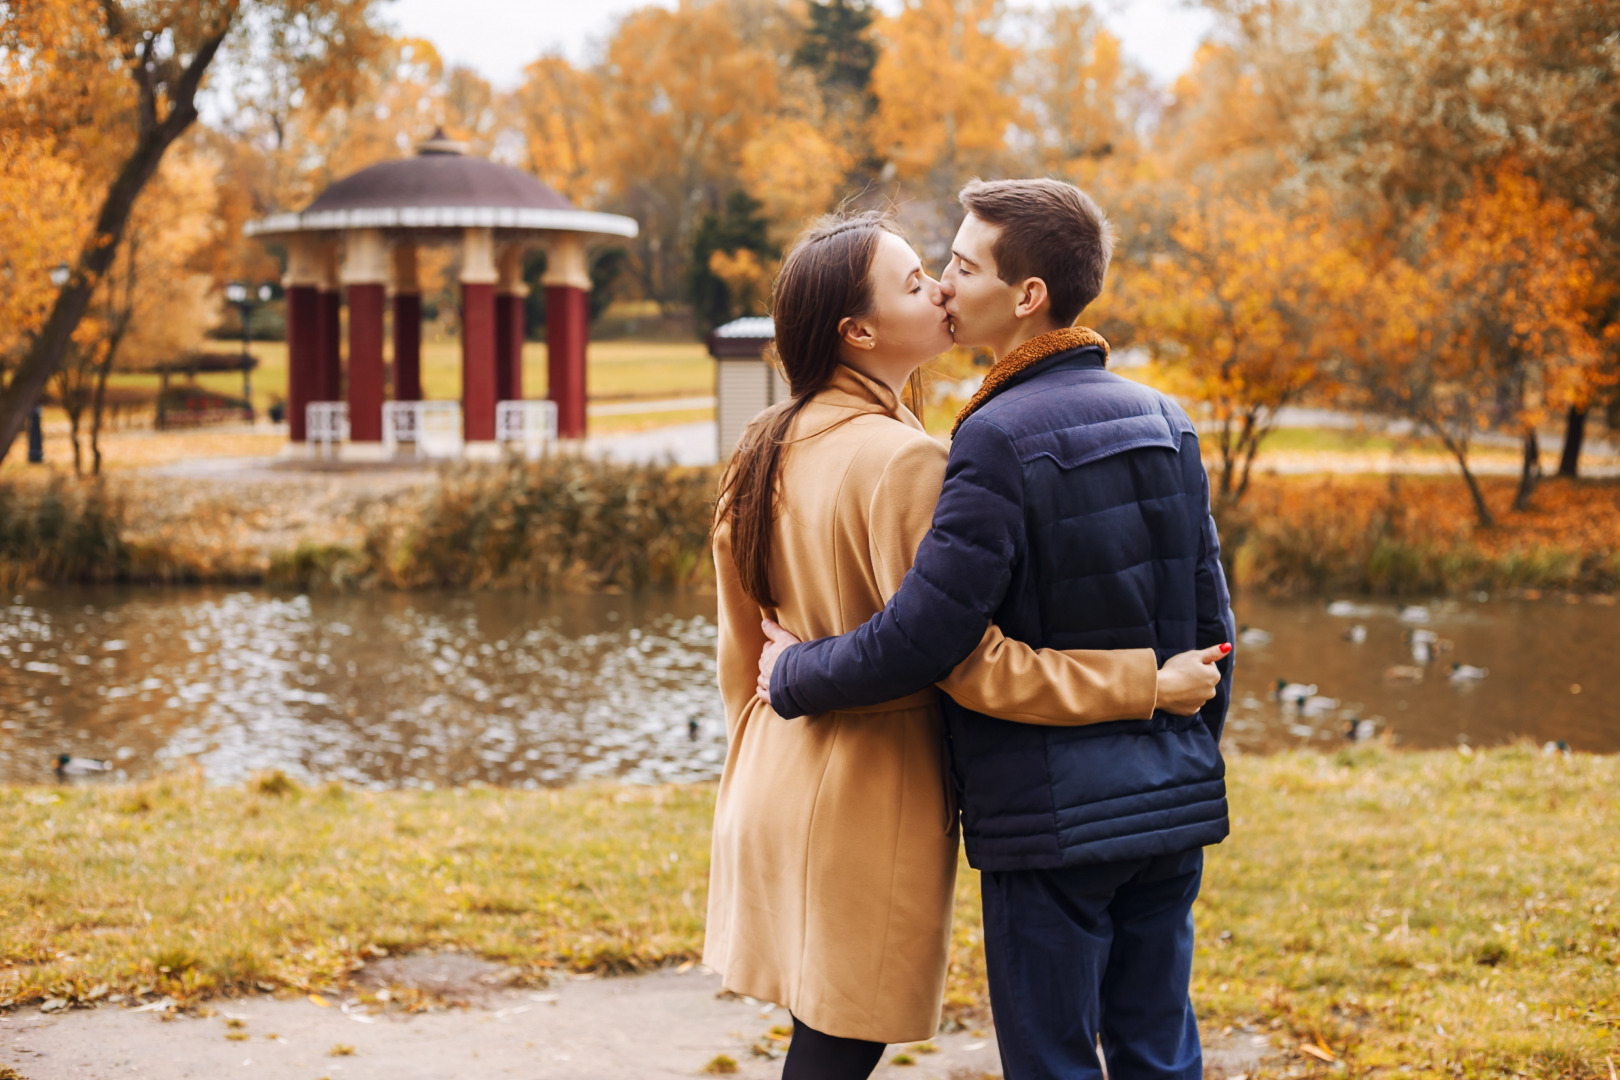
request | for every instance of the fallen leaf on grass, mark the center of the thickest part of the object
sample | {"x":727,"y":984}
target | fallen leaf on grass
{"x":1317,"y":1052}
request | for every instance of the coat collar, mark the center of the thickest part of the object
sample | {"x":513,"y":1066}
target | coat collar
{"x":1026,"y":356}
{"x":848,"y":389}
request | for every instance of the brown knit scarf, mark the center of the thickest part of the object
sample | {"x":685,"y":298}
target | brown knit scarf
{"x":1029,"y":353}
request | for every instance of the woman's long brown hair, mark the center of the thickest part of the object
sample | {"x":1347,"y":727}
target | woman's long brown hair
{"x":825,"y":279}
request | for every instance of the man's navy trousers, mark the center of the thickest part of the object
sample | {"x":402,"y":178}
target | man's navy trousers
{"x":1101,"y":951}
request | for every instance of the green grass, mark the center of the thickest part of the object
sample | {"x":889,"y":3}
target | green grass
{"x":1417,"y":914}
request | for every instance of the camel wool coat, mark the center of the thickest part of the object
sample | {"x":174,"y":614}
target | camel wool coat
{"x":835,"y":844}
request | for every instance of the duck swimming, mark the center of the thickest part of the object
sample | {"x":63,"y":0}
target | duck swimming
{"x":69,"y":768}
{"x":1292,"y":693}
{"x":1462,"y":673}
{"x":1316,"y":705}
{"x":1356,"y":634}
{"x":1360,"y":730}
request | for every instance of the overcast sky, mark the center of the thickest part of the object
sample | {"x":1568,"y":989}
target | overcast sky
{"x":498,"y":37}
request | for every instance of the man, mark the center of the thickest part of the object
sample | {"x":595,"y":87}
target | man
{"x":1075,"y":514}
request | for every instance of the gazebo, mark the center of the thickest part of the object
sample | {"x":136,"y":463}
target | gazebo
{"x":357,"y":242}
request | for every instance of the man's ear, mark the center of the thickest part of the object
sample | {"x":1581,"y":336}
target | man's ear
{"x":857,"y":334}
{"x":1032,"y":298}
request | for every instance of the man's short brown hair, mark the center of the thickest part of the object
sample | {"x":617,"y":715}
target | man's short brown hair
{"x":1050,"y":230}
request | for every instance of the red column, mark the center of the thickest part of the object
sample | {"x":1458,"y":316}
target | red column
{"x":303,"y":355}
{"x":407,"y":347}
{"x":329,"y":355}
{"x":508,"y":347}
{"x":478,"y":391}
{"x":567,"y":333}
{"x":365,"y":362}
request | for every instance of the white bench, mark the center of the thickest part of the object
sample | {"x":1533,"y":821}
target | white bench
{"x":528,"y":427}
{"x":432,"y":428}
{"x":326,"y":424}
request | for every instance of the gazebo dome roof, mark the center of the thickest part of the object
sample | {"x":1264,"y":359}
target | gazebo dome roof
{"x":442,"y":187}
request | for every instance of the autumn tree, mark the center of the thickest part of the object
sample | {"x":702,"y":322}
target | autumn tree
{"x":1083,"y":100}
{"x":127,"y":73}
{"x":1399,"y":107}
{"x":731,"y":262}
{"x":558,"y":108}
{"x":46,"y":216}
{"x":683,"y":93}
{"x":1480,"y":322}
{"x":945,"y":101}
{"x":1251,"y":308}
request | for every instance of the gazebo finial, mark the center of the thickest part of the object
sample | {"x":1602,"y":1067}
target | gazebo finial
{"x":442,"y":144}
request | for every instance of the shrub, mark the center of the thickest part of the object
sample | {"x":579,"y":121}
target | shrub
{"x":564,"y":524}
{"x":60,"y":533}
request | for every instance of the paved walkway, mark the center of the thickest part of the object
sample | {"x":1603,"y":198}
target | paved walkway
{"x":664,"y":1024}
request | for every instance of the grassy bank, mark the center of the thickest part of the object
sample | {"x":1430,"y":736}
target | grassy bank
{"x":1416,"y":535}
{"x":563,"y":525}
{"x":61,"y":532}
{"x":572,"y":525}
{"x":1412,"y":914}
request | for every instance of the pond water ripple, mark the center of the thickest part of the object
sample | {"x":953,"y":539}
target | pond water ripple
{"x":374,"y":691}
{"x":390,"y":690}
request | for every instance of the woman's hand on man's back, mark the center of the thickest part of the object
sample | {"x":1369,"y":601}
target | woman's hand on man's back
{"x":1189,"y":679}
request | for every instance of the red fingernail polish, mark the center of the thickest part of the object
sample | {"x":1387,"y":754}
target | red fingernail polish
{"x":1226,"y":647}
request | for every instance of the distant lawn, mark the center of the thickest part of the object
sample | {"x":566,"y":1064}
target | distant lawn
{"x":616,"y":370}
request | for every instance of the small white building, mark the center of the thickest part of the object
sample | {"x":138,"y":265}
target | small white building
{"x":745,"y":383}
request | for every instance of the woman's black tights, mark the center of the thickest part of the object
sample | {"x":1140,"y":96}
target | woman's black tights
{"x":814,"y":1056}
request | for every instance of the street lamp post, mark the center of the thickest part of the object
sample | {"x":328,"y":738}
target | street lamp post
{"x":245,"y":301}
{"x":36,"y":431}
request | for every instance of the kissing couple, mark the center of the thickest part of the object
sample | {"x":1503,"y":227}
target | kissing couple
{"x":1022,"y":642}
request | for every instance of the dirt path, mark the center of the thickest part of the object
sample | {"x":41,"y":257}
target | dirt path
{"x":664,"y":1024}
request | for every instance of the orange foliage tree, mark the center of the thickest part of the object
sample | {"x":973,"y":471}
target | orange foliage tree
{"x":684,"y":92}
{"x":116,"y":84}
{"x":1482,"y":321}
{"x":1251,"y":307}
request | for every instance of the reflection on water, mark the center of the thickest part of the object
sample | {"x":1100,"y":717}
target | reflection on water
{"x":390,"y":690}
{"x":375,"y":690}
{"x":1548,"y":672}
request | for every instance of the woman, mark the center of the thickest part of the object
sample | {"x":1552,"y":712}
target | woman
{"x":834,"y":850}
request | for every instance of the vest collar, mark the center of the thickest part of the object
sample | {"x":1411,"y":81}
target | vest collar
{"x":1027,"y":356}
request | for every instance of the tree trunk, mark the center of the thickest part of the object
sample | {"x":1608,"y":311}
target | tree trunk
{"x":1574,"y":435}
{"x":1530,"y":473}
{"x":1459,"y":450}
{"x":98,"y":399}
{"x":1228,"y":460}
{"x":44,"y":356}
{"x":1253,"y":435}
{"x":73,"y":405}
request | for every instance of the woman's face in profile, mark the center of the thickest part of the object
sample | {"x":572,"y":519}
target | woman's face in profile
{"x":908,"y":317}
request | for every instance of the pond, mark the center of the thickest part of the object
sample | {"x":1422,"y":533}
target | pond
{"x":391,"y":690}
